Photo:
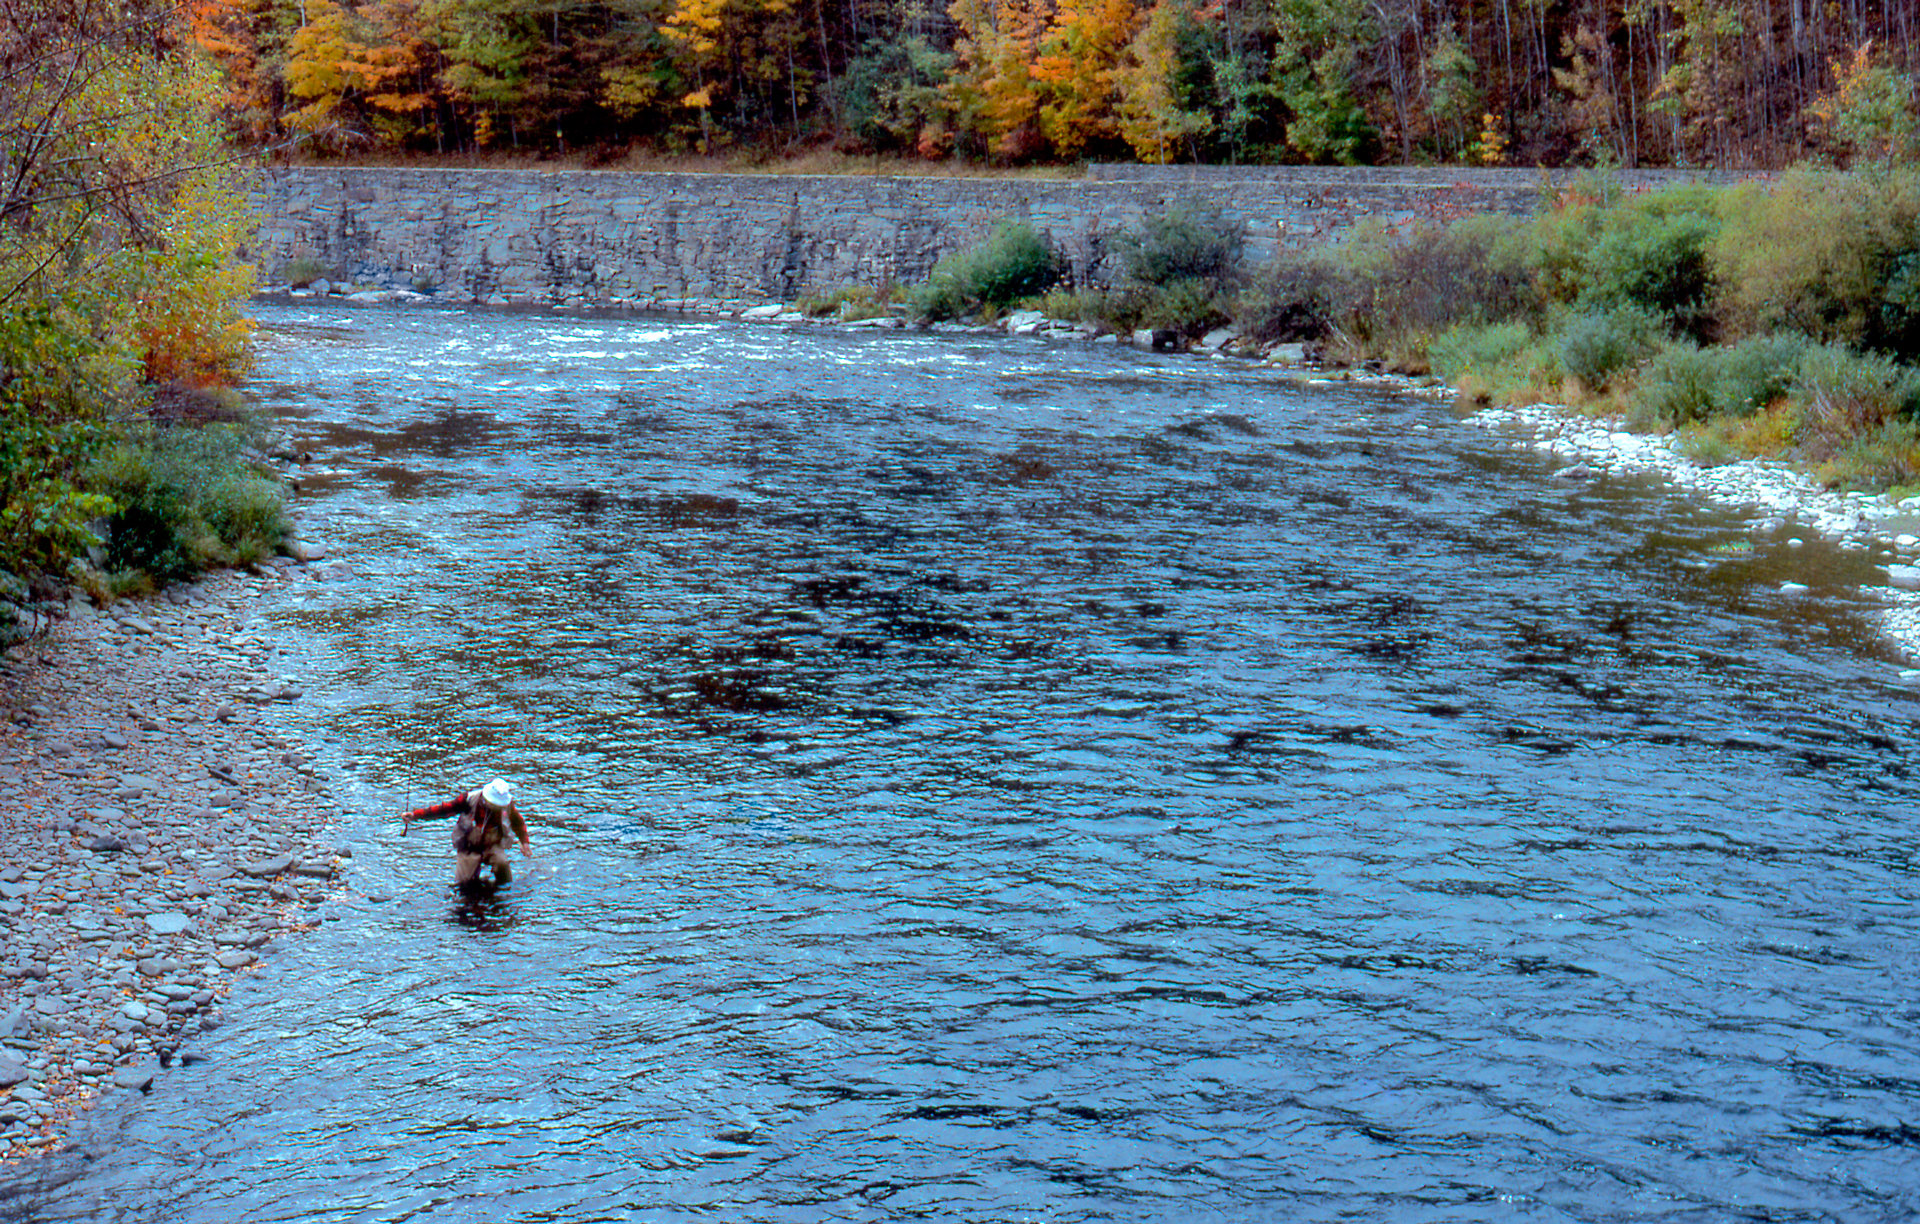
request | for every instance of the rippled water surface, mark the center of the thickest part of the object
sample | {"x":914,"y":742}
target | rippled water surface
{"x":982,"y":780}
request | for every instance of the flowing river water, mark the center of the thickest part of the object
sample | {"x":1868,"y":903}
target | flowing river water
{"x":988,"y":780}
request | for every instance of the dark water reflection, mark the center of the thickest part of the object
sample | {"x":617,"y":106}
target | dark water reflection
{"x":989,"y":781}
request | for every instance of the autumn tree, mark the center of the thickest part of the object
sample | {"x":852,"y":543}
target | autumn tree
{"x":1151,"y":116}
{"x":118,"y":231}
{"x":1079,"y":69}
{"x":996,"y":96}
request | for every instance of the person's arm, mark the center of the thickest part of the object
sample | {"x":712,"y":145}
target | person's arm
{"x":519,"y":829}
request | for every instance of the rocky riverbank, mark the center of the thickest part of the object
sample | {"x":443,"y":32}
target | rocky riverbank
{"x":159,"y":836}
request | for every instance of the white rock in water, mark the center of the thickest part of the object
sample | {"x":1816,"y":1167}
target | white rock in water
{"x":1906,"y":577}
{"x":769,"y":311}
{"x":1793,"y":588}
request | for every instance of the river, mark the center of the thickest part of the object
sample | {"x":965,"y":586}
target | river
{"x":984,"y":779}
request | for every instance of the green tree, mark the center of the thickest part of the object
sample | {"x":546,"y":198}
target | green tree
{"x":1869,"y":116}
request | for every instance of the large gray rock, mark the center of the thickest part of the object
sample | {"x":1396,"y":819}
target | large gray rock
{"x":138,"y":1077}
{"x":168,"y":922}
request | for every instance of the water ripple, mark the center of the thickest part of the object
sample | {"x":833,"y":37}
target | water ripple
{"x":995,"y":781}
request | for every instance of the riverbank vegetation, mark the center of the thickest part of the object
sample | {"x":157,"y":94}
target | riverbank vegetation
{"x":1767,"y":320}
{"x":120,"y":293}
{"x":1724,"y":83}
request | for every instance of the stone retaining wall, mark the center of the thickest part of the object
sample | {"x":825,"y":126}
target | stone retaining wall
{"x":603,"y":239}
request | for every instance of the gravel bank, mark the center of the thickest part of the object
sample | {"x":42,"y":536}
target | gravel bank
{"x":159,"y":836}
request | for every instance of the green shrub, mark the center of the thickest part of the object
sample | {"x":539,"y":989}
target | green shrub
{"x":1297,"y":296}
{"x":1383,"y":293}
{"x":1014,"y":262}
{"x":1498,"y":362}
{"x":1478,"y":349}
{"x":1597,"y":348}
{"x":1884,"y":458}
{"x":1191,"y":307}
{"x":1179,"y":270}
{"x":1899,"y":330}
{"x":1651,"y":253}
{"x":1185,"y":242}
{"x":186,"y":499}
{"x":1844,"y":396}
{"x":303,"y":271}
{"x":1684,"y":384}
{"x":57,"y":379}
{"x":1759,"y":371}
{"x":1829,"y":255}
{"x":1677,"y":386}
{"x":1075,"y":306}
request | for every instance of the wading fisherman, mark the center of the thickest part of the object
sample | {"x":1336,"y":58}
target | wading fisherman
{"x":480,"y":835}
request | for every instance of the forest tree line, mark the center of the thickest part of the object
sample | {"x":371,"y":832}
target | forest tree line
{"x":1721,"y":83}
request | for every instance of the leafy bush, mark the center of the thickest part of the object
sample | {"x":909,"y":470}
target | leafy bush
{"x":1678,"y":386}
{"x":1382,"y":293}
{"x":1185,"y":242}
{"x":1478,"y":348}
{"x":1899,"y":330}
{"x":1178,"y":270}
{"x":1767,"y":434}
{"x":56,"y":381}
{"x":1075,"y":305}
{"x":303,"y":271}
{"x":1653,"y":255}
{"x":1845,"y":396}
{"x":1597,"y":347}
{"x":1298,"y":296}
{"x":1830,"y":255}
{"x":1684,"y":384}
{"x":1499,"y":362}
{"x":1191,"y":307}
{"x":1887,"y":457}
{"x":186,"y":498}
{"x":1759,"y":371}
{"x":1012,"y":263}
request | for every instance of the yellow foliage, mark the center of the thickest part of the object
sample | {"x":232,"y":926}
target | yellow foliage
{"x":1491,"y":148}
{"x":1150,"y":118}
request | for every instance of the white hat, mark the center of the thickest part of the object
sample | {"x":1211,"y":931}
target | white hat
{"x":497,"y":793}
